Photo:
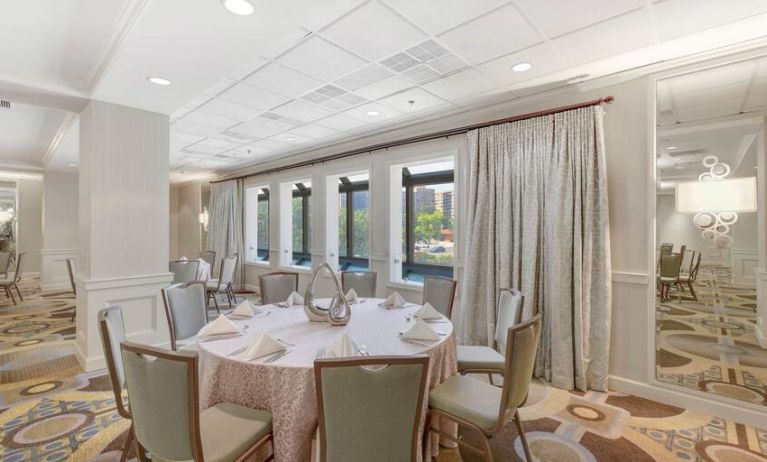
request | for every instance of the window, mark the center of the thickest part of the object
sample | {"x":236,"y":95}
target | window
{"x":353,"y":220}
{"x":427,"y":221}
{"x":257,"y":223}
{"x":301,"y":205}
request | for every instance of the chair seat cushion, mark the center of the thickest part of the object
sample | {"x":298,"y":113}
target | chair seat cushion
{"x":228,"y":430}
{"x":188,"y":344}
{"x":683,"y":278}
{"x":469,"y":399}
{"x":479,"y":357}
{"x":665,"y":279}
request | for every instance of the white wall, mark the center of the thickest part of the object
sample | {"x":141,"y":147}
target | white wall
{"x":59,"y":227}
{"x":185,"y":238}
{"x":29,"y":225}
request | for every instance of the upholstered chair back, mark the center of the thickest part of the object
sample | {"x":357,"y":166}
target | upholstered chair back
{"x":21,"y":259}
{"x":163,"y":401}
{"x":209,"y":256}
{"x":5,"y":262}
{"x":439,"y":292}
{"x":184,"y":270}
{"x":510,"y":307}
{"x":521,"y":350}
{"x":276,"y":287}
{"x":112,"y":328}
{"x":363,"y":282}
{"x":228,"y":270}
{"x":670,"y":264}
{"x":186,"y":309}
{"x":370,"y":408}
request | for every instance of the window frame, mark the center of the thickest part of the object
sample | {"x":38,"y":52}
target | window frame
{"x":348,"y":188}
{"x":305,"y":193}
{"x":253,"y":210}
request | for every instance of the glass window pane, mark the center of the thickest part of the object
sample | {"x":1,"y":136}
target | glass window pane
{"x":342,"y":242}
{"x":298,"y":225}
{"x":360,"y":224}
{"x":263,"y":229}
{"x":434,"y":225}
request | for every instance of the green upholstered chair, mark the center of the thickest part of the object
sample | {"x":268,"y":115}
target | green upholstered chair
{"x":474,"y":359}
{"x":370,"y":408}
{"x":276,"y":287}
{"x":11,"y":280}
{"x":187,"y":313}
{"x":225,"y":281}
{"x":485,"y":408}
{"x":165,"y":405}
{"x":363,"y":282}
{"x":439,"y":291}
{"x":184,"y":270}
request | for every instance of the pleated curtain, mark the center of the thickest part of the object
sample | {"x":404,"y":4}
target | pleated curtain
{"x":537,"y":220}
{"x":225,"y":224}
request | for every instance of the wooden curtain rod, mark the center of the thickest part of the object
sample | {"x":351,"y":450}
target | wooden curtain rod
{"x":421,"y":138}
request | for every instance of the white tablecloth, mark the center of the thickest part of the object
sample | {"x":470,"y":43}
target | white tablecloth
{"x":286,"y":387}
{"x":203,"y":271}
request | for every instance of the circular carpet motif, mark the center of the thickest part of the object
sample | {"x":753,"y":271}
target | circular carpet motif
{"x":586,"y":413}
{"x":30,"y":342}
{"x":32,"y":328}
{"x":46,"y":429}
{"x":715,"y":451}
{"x":723,"y":325}
{"x":549,"y":447}
{"x":733,"y":390}
{"x":708,"y":347}
{"x":44,"y":387}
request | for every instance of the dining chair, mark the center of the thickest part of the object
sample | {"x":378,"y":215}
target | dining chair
{"x":187,"y":312}
{"x":224,"y":282}
{"x":363,"y":282}
{"x":356,"y":422}
{"x":209,"y":256}
{"x":687,"y":260}
{"x":112,"y":328}
{"x":276,"y":287}
{"x":71,"y":271}
{"x":482,"y":407}
{"x":666,"y":248}
{"x":5,"y":262}
{"x":439,"y":291}
{"x":12,"y":280}
{"x":669,"y":273}
{"x":477,"y":359}
{"x":690,"y":278}
{"x":165,"y":406}
{"x":184,"y":270}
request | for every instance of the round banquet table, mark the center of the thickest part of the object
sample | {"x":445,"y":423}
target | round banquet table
{"x":286,"y":386}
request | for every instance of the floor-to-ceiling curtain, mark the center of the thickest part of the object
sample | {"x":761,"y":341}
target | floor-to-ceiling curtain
{"x":225,"y":220}
{"x":537,"y":220}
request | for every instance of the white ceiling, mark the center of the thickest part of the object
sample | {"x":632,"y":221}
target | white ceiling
{"x":25,"y":133}
{"x":303,"y":73}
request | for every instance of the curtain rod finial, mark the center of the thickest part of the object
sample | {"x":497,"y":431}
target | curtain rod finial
{"x":608,"y":99}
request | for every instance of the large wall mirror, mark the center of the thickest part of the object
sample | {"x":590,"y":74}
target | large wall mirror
{"x":711,"y":312}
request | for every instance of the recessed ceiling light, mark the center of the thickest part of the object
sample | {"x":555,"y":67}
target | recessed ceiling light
{"x":372,"y":113}
{"x":290,"y":138}
{"x":521,"y":67}
{"x":159,"y":81}
{"x":671,"y":148}
{"x":73,"y":165}
{"x":239,"y":7}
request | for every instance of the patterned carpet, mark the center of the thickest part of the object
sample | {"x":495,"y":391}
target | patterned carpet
{"x":710,"y":344}
{"x":51,"y":411}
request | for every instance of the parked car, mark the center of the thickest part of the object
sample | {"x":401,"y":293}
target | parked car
{"x":438,"y":249}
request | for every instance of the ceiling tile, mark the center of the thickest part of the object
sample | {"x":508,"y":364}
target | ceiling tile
{"x":210,"y":120}
{"x":494,"y":34}
{"x":291,"y":138}
{"x":362,"y":112}
{"x":674,"y":18}
{"x":436,"y":16}
{"x":189,"y":128}
{"x":219,"y":143}
{"x":178,"y":137}
{"x":220,"y":86}
{"x":256,"y":98}
{"x":263,"y":127}
{"x":270,"y":144}
{"x":368,"y":75}
{"x":302,"y":111}
{"x":609,"y":38}
{"x":280,"y":79}
{"x":340,"y":122}
{"x":314,"y":131}
{"x":385,"y":87}
{"x":224,"y":108}
{"x":422,"y":100}
{"x":701,"y":82}
{"x":460,"y":85}
{"x":320,"y":59}
{"x":203,"y":148}
{"x":555,"y":17}
{"x":543,"y":58}
{"x":363,"y":31}
{"x":247,"y":68}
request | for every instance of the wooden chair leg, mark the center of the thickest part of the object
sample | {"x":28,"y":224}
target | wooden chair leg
{"x":426,"y":434}
{"x":692,"y":291}
{"x":127,"y":445}
{"x":8,"y":291}
{"x":218,"y":310}
{"x":522,"y":437}
{"x":19,"y":292}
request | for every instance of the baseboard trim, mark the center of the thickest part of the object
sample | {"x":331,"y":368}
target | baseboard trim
{"x":630,"y":278}
{"x":57,"y":286}
{"x":252,"y":288}
{"x":736,"y":412}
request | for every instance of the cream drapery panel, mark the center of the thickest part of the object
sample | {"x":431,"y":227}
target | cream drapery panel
{"x":225,"y":235}
{"x":537,"y":220}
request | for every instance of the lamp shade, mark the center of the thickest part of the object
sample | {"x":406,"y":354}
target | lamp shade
{"x":730,"y":195}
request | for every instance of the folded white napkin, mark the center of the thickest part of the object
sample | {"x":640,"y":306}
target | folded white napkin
{"x":263,"y":345}
{"x":395,"y":300}
{"x":420,"y":331}
{"x":428,"y":312}
{"x":183,"y":258}
{"x":245,"y":310}
{"x":294,"y":299}
{"x":351,"y":296}
{"x":344,"y":347}
{"x":222,"y":325}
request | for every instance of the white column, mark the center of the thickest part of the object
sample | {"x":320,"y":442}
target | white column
{"x":60,"y":228}
{"x":761,"y":271}
{"x":124,"y":224}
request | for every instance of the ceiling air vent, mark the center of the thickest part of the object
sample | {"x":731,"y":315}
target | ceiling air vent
{"x":5,"y":104}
